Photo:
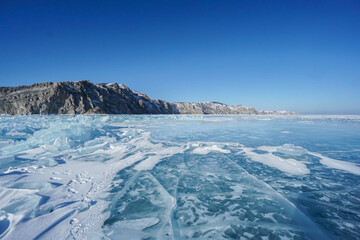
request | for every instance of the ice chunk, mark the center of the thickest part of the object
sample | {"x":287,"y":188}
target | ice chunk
{"x":287,"y":149}
{"x":291,"y":150}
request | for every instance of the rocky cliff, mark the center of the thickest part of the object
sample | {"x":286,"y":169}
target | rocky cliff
{"x":212,"y":108}
{"x":85,"y":97}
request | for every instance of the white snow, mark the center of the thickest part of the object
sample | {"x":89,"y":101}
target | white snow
{"x":337,"y":164}
{"x":288,"y":165}
{"x":207,"y":149}
{"x":293,"y":166}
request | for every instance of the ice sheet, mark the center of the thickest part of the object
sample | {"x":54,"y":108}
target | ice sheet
{"x":176,"y":177}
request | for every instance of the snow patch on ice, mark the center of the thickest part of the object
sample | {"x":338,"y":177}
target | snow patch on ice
{"x":337,"y":164}
{"x":293,"y":166}
{"x":288,"y":165}
{"x":285,"y":132}
{"x":30,"y":169}
{"x":203,"y":150}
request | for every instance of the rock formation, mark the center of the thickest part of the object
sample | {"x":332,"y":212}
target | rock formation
{"x":85,"y":97}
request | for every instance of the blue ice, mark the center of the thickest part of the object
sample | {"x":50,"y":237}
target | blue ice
{"x":179,"y":177}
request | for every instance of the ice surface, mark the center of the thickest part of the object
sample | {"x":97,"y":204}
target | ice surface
{"x":179,"y":176}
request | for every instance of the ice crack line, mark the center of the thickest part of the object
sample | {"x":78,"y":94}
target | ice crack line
{"x":316,"y":232}
{"x":172,"y":199}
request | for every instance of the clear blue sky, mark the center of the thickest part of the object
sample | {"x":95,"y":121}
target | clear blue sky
{"x":296,"y":55}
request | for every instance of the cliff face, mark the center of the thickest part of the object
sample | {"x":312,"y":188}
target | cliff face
{"x":220,"y":108}
{"x":212,"y":108}
{"x":84,"y":97}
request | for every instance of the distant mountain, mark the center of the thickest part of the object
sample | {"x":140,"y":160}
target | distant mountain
{"x":85,"y":97}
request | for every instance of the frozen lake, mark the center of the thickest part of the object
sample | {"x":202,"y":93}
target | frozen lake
{"x":180,"y":177}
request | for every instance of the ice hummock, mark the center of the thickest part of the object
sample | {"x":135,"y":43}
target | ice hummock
{"x":176,"y":177}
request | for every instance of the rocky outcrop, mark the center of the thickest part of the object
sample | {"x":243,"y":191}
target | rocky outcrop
{"x":220,"y":108}
{"x":85,"y":97}
{"x":82,"y":97}
{"x":212,"y":108}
